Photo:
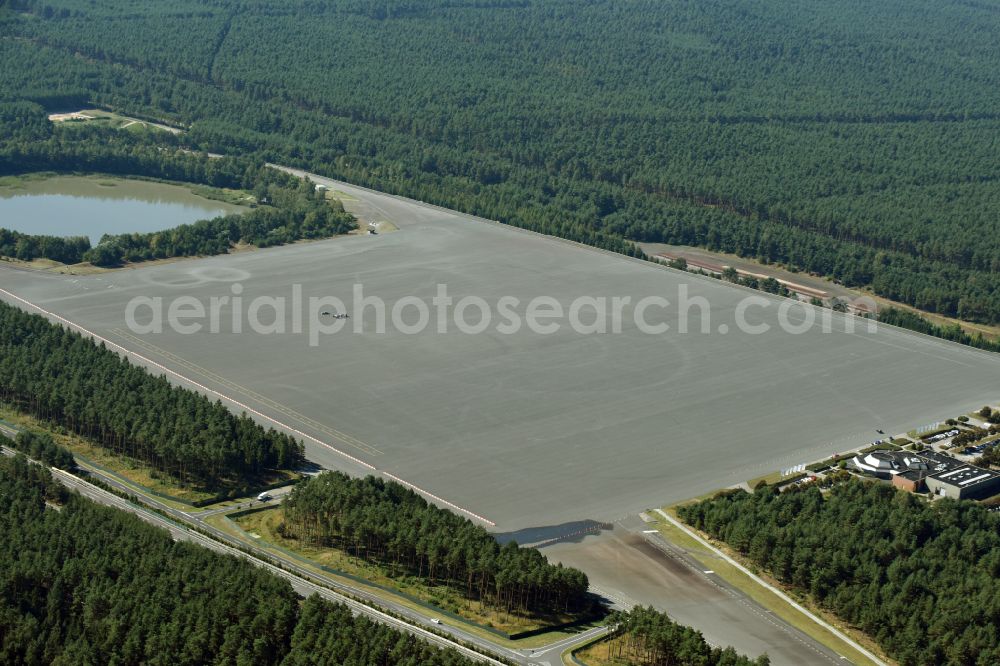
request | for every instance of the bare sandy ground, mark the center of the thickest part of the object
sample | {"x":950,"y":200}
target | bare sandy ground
{"x":739,"y":263}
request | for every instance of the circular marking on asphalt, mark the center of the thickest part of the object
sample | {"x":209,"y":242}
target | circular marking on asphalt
{"x":221,"y":274}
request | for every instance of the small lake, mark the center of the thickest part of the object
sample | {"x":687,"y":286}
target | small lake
{"x":94,"y":206}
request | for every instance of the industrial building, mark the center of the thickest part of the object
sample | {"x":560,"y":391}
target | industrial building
{"x":887,"y":464}
{"x":940,"y":473}
{"x":965,"y":482}
{"x":912,"y":481}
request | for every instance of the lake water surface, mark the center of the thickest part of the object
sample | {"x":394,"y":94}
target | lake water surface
{"x":94,"y":206}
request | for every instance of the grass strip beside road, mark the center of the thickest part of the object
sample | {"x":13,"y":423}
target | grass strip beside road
{"x":740,"y":580}
{"x":139,"y":477}
{"x":136,"y":475}
{"x":224,"y":523}
{"x":192,"y":532}
{"x":265,"y":524}
{"x":776,"y":479}
{"x":586,"y":653}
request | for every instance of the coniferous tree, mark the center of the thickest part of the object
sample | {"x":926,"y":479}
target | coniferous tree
{"x":61,"y":377}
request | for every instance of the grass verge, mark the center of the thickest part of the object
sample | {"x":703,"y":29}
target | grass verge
{"x":137,"y":475}
{"x":265,"y":525}
{"x":765,"y":597}
{"x":17,"y":182}
{"x":599,"y":652}
{"x":224,"y":523}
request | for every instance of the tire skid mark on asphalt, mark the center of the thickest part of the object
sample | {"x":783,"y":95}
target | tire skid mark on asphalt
{"x":127,"y":353}
{"x":752,"y":606}
{"x":341,"y":436}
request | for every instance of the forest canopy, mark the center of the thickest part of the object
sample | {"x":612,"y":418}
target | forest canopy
{"x":921,"y":578}
{"x":647,"y":637}
{"x":63,"y":378}
{"x":387,"y":523}
{"x":41,"y":447}
{"x":286,"y":208}
{"x":853,"y":140}
{"x":88,"y":584}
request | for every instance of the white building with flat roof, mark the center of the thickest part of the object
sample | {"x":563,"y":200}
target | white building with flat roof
{"x":965,"y":482}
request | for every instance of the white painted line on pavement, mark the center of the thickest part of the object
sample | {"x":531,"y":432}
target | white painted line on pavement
{"x":821,"y":622}
{"x":247,"y":408}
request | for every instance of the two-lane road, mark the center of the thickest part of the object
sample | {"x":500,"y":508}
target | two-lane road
{"x":305,"y":581}
{"x":300,"y":580}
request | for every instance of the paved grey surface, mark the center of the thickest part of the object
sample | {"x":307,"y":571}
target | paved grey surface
{"x":531,"y":430}
{"x":635,"y":568}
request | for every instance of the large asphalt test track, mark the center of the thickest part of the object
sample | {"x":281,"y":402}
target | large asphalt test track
{"x":528,"y":429}
{"x":524,"y":430}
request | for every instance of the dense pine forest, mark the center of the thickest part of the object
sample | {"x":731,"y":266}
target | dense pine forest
{"x":953,"y":332}
{"x":87,"y":584}
{"x":290,"y":209}
{"x":647,"y":637}
{"x":855,"y":140}
{"x":922,"y":579}
{"x":41,"y":447}
{"x":61,"y":377}
{"x":26,"y":247}
{"x":389,"y":524}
